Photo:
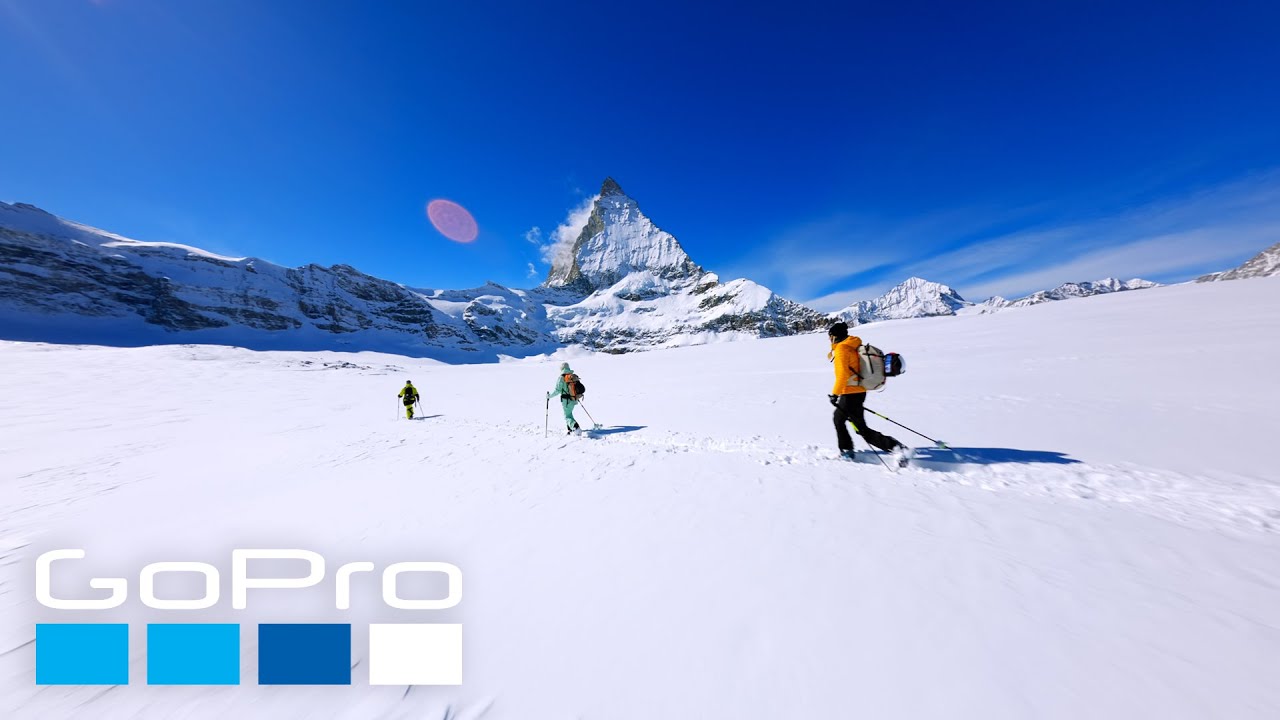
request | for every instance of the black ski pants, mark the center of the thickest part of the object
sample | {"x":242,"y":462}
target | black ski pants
{"x":849,"y":410}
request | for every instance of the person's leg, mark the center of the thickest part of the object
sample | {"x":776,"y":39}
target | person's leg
{"x":569,"y":422}
{"x":852,"y":406}
{"x":408,"y":411}
{"x":843,"y":440}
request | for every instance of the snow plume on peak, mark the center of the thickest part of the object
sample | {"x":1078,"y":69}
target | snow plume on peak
{"x":558,"y":250}
{"x":914,"y":297}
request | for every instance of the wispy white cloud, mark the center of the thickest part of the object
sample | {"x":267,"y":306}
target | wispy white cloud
{"x":555,"y":250}
{"x":809,"y":261}
{"x":805,"y":259}
{"x":1186,"y":254}
{"x":832,"y":302}
{"x":1210,"y":229}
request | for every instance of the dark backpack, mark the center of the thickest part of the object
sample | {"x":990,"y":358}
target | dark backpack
{"x":574,"y":385}
{"x":410,"y":395}
{"x":894,"y":365}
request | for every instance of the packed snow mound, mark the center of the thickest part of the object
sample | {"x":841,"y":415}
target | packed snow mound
{"x":1264,"y":264}
{"x":1093,"y":543}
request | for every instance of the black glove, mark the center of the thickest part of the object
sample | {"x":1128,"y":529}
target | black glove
{"x":835,"y":400}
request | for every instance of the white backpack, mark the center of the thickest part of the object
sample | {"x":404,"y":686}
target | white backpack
{"x":870,"y":367}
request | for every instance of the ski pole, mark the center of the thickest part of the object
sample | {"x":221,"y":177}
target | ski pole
{"x":871,"y":447}
{"x":418,"y":401}
{"x":588,"y":412}
{"x":546,"y":418}
{"x":904,"y":427}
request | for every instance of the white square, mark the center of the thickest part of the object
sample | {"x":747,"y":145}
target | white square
{"x":415,"y":654}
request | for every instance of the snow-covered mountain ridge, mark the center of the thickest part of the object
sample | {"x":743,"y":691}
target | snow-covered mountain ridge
{"x":917,"y":298}
{"x":622,"y":285}
{"x":1264,"y":264}
{"x":627,"y":286}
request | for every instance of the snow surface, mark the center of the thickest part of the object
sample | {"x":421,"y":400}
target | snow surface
{"x":1109,"y":547}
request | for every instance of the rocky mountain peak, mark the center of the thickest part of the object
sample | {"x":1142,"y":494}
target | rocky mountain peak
{"x":914,"y":297}
{"x":610,"y":187}
{"x":617,"y":240}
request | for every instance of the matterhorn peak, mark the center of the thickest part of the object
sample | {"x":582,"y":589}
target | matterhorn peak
{"x":617,"y":240}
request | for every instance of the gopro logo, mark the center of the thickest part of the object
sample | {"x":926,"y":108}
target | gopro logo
{"x":209,"y":653}
{"x":242,"y":581}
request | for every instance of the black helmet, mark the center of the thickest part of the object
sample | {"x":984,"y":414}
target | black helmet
{"x":839,"y":331}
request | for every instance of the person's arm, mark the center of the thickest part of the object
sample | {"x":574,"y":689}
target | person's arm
{"x":840,"y":361}
{"x":845,"y":357}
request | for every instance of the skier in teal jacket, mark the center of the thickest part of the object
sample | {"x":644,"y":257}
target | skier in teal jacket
{"x":565,"y":386}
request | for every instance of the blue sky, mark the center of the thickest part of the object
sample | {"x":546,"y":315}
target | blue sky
{"x":827,"y":150}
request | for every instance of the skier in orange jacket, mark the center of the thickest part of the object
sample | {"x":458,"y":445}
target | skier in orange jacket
{"x":848,"y":397}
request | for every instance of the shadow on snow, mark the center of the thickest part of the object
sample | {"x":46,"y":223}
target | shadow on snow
{"x":989,"y":456}
{"x":617,"y":429}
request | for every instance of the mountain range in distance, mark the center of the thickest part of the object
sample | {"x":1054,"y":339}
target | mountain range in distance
{"x":624,"y":285}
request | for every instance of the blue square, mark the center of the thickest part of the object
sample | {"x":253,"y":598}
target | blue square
{"x":82,"y":654}
{"x":193,"y":654}
{"x":304,"y":654}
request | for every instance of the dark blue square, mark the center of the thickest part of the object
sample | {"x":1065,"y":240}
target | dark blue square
{"x":300,"y":654}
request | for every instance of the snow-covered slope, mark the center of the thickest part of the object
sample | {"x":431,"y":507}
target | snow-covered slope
{"x":1103,"y":542}
{"x":1264,"y":264}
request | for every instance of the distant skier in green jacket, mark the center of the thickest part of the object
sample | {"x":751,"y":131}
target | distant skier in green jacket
{"x":409,"y":396}
{"x":569,"y":388}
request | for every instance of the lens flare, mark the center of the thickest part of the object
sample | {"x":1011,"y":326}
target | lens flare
{"x":452,"y":220}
